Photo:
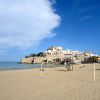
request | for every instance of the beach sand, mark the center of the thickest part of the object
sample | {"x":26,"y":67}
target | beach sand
{"x":54,"y":84}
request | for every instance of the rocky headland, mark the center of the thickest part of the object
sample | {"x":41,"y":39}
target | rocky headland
{"x":58,"y":55}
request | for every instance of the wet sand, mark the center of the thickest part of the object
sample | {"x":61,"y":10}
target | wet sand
{"x":51,"y":84}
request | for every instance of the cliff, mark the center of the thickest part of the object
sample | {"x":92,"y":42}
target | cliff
{"x":48,"y":58}
{"x":27,"y":60}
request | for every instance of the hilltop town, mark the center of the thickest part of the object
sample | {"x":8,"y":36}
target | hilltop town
{"x":56,"y":54}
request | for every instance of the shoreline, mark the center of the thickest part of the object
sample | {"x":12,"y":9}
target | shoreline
{"x":55,"y":66}
{"x":27,"y":66}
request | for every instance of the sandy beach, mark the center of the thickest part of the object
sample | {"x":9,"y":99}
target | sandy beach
{"x":54,"y":84}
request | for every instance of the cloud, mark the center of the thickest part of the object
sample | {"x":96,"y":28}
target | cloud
{"x":3,"y":52}
{"x":25,"y":23}
{"x":86,"y":17}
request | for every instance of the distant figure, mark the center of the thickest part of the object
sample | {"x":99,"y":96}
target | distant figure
{"x":69,"y":65}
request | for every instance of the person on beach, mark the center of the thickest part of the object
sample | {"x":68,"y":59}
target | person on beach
{"x":69,"y":64}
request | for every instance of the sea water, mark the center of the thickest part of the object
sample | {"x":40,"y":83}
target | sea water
{"x":16,"y":65}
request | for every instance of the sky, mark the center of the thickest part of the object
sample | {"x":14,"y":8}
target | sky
{"x":31,"y":26}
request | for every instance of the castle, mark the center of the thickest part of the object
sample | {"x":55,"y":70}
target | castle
{"x":55,"y":52}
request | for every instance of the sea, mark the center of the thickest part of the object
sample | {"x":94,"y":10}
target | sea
{"x":17,"y":66}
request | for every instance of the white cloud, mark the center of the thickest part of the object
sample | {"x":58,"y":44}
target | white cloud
{"x":24,"y":23}
{"x":83,"y":18}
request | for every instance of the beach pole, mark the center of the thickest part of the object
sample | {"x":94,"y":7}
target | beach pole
{"x":47,"y":64}
{"x":94,"y":71}
{"x":41,"y":70}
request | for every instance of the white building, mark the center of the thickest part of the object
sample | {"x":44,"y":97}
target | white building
{"x":54,"y":50}
{"x":59,"y":51}
{"x":89,"y":54}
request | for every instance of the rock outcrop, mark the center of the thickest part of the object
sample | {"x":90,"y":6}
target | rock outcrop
{"x":56,"y":54}
{"x":27,"y":60}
